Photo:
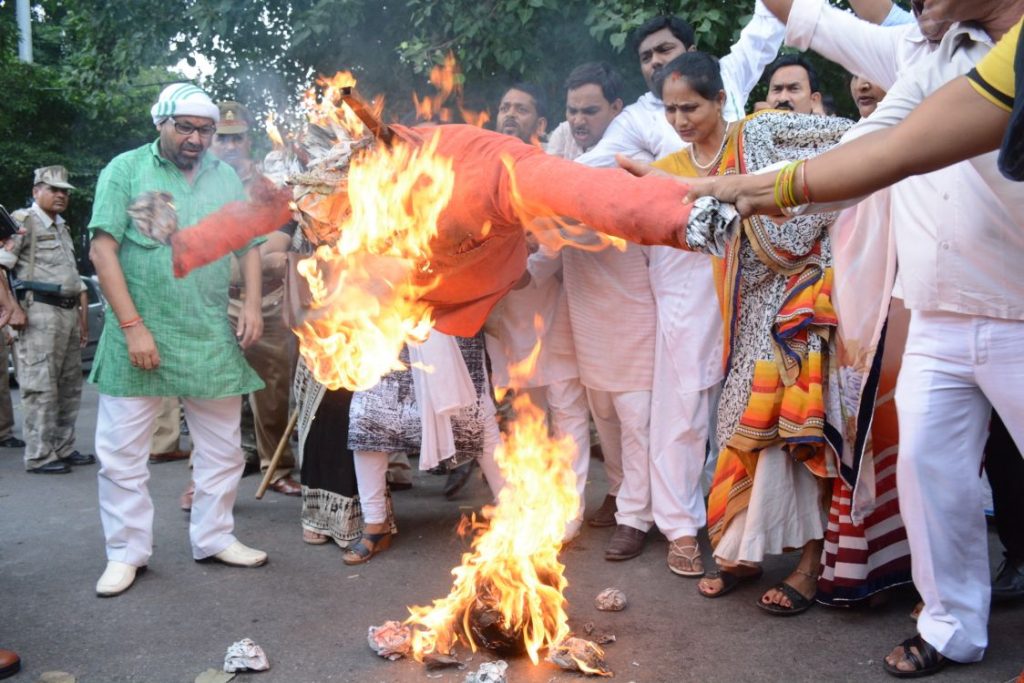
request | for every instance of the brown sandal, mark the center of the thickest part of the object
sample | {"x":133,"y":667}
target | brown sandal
{"x":366,"y":547}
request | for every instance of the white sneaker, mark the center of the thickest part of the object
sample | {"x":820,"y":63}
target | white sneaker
{"x":240,"y":555}
{"x":117,"y":578}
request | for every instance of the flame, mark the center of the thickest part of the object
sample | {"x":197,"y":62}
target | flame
{"x":513,"y":566}
{"x":323,"y":105}
{"x":551,"y":230}
{"x":273,"y":132}
{"x":365,"y":300}
{"x":447,"y":80}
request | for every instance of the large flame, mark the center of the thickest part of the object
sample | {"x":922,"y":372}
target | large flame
{"x":365,"y":305}
{"x":513,"y":568}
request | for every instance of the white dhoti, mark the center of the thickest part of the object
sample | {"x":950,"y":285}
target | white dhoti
{"x":124,"y":427}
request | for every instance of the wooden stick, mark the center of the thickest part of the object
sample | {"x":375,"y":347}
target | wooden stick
{"x":292,"y":419}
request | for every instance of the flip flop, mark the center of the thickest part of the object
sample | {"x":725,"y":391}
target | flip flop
{"x":798,"y":603}
{"x":926,"y":662}
{"x":729,"y":581}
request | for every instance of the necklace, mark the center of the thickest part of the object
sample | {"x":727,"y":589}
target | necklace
{"x":714,"y":160}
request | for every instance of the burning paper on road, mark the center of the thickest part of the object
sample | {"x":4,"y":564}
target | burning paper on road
{"x":577,"y":654}
{"x":391,"y":640}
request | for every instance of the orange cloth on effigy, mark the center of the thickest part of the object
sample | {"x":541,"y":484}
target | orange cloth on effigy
{"x":480,"y":251}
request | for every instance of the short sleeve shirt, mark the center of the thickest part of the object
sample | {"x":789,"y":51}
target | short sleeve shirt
{"x":993,"y":77}
{"x":199,"y":354}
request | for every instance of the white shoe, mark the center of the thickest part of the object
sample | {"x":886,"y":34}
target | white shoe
{"x":117,"y":578}
{"x":239,"y":555}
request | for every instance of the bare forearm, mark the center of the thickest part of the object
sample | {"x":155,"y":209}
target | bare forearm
{"x":252,"y":275}
{"x":874,"y":11}
{"x":103,"y":254}
{"x":780,"y":8}
{"x":954,"y":124}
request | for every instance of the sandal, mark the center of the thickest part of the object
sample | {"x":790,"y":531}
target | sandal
{"x":359,"y":552}
{"x":926,"y":661}
{"x":729,"y":581}
{"x":313,"y":538}
{"x":685,"y":560}
{"x":798,"y":602}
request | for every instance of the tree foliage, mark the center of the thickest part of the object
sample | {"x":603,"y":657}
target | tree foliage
{"x":101,"y":63}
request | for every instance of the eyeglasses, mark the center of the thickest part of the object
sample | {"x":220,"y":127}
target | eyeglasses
{"x":182,"y":128}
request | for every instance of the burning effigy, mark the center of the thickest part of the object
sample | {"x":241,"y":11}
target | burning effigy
{"x":420,"y":228}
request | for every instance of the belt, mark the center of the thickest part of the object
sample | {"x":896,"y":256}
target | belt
{"x":50,"y":299}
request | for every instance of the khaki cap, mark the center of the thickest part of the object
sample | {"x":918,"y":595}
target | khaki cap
{"x":54,"y":176}
{"x":234,"y":118}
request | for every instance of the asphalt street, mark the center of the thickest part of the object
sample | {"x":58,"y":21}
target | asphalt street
{"x":310,"y":612}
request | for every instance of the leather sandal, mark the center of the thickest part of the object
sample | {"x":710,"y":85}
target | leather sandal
{"x":798,"y":602}
{"x":359,"y":552}
{"x":927,"y":660}
{"x":729,"y":581}
{"x":685,"y":559}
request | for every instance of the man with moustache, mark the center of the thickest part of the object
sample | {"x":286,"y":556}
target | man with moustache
{"x":522,"y":113}
{"x":166,"y":336}
{"x":49,"y":348}
{"x":663,"y":302}
{"x":793,"y":85}
{"x":959,"y":247}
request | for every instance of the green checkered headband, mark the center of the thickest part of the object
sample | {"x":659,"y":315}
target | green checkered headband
{"x":184,"y":99}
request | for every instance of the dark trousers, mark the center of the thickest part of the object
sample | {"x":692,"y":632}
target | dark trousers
{"x":1005,"y":468}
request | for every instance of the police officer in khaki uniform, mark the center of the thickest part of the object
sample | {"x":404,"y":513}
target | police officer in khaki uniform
{"x":49,"y":349}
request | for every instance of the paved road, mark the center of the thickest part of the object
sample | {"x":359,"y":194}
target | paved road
{"x":310,"y":612}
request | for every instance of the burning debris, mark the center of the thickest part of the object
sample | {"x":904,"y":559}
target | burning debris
{"x":577,"y":654}
{"x":508,"y":591}
{"x":599,"y":637}
{"x":610,"y":600}
{"x":245,"y":655}
{"x":391,"y":640}
{"x":489,"y":672}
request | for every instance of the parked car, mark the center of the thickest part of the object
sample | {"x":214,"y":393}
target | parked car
{"x":95,"y":315}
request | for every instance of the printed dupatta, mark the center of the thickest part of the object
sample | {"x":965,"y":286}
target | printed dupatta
{"x":775,"y":286}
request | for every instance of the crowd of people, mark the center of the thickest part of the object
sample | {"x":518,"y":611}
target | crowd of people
{"x":823,"y":358}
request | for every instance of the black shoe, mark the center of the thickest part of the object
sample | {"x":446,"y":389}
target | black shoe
{"x":457,"y":479}
{"x":12,"y":442}
{"x":55,"y":467}
{"x":76,"y":458}
{"x":1009,"y":582}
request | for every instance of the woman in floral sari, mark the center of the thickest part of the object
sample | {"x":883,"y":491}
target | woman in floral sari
{"x":774,"y":284}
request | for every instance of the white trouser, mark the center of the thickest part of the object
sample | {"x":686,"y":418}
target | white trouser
{"x":623,"y":420}
{"x":567,"y":405}
{"x":372,"y":469}
{"x":956,"y":368}
{"x":124,"y":427}
{"x":679,"y":435}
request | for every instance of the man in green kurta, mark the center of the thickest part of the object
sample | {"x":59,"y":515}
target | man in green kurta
{"x":169,"y":337}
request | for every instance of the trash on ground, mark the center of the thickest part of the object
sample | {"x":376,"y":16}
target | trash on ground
{"x":245,"y":655}
{"x":391,"y":640}
{"x":436,"y":660}
{"x":489,"y":672}
{"x":577,"y":654}
{"x":56,"y":677}
{"x":610,"y":600}
{"x":214,"y":676}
